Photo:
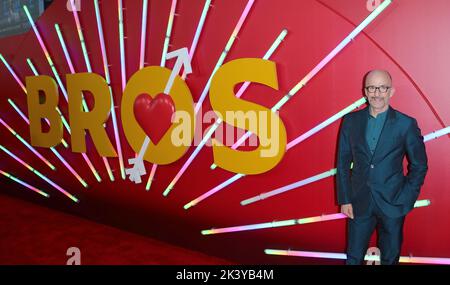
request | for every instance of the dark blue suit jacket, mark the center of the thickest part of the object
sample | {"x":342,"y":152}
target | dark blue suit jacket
{"x":381,"y":174}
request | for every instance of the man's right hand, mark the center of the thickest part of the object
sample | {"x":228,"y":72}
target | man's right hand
{"x":347,"y":210}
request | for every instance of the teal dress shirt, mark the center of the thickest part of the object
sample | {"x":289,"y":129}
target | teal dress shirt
{"x":374,"y":128}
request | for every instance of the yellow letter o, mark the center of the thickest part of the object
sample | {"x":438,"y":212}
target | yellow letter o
{"x":152,"y":80}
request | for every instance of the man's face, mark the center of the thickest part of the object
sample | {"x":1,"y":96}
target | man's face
{"x":378,"y":90}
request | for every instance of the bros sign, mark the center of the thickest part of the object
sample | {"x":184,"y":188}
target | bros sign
{"x":153,"y":81}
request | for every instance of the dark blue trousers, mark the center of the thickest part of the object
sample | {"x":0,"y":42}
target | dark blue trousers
{"x":390,"y":236}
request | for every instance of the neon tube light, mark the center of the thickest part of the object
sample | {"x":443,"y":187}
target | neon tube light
{"x":151,"y":177}
{"x":325,"y":123}
{"x":108,"y":80}
{"x":437,"y":134}
{"x":64,"y":47}
{"x":122,"y":46}
{"x":297,"y":184}
{"x":224,"y":53}
{"x":292,"y":222}
{"x":343,"y":256}
{"x":168,"y":32}
{"x":46,"y":53}
{"x":17,"y":180}
{"x":25,"y":118}
{"x":213,"y":191}
{"x":80,"y":36}
{"x":25,"y":143}
{"x":143,"y":33}
{"x":333,"y":53}
{"x":13,"y":73}
{"x":40,"y":175}
{"x":102,"y":41}
{"x":67,"y":165}
{"x":198,"y":31}
{"x":218,"y":122}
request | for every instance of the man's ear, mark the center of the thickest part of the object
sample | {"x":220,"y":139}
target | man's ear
{"x":392,"y":92}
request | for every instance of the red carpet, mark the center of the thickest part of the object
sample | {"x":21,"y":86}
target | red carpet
{"x":31,"y":234}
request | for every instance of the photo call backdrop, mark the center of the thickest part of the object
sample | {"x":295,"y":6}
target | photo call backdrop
{"x":409,"y":38}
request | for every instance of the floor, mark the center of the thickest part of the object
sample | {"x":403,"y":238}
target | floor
{"x":31,"y":234}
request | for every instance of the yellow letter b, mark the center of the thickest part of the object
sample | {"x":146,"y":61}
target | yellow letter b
{"x":46,"y":110}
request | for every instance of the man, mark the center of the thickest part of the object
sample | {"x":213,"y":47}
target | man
{"x":375,"y":191}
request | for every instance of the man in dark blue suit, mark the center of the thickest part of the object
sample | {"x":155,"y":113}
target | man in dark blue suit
{"x":375,"y":192}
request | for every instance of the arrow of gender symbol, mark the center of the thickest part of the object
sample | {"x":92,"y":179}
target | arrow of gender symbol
{"x":183,"y":58}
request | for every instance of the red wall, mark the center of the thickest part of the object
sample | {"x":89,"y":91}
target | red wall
{"x":410,"y":39}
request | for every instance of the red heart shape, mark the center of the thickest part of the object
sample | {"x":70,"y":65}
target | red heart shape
{"x":154,"y":115}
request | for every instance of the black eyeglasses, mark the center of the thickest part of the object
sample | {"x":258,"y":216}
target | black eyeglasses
{"x":381,"y":89}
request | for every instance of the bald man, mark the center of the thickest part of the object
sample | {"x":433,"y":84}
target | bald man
{"x":375,"y":192}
